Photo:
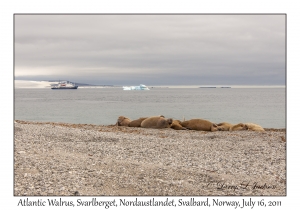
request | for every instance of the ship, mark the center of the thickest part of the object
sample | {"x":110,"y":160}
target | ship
{"x":62,"y":85}
{"x":141,"y":87}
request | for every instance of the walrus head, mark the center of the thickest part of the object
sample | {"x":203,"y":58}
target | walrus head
{"x":214,"y":127}
{"x":170,"y":121}
{"x":220,"y":126}
{"x":120,"y":120}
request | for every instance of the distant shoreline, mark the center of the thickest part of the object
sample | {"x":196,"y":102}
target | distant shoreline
{"x":23,"y":84}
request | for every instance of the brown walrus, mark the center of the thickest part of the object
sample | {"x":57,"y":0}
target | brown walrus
{"x":224,"y":126}
{"x":123,"y":121}
{"x":176,"y":125}
{"x":156,"y":122}
{"x":199,"y":125}
{"x":137,"y":123}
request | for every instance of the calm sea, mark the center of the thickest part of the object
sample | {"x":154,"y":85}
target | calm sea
{"x":102,"y":106}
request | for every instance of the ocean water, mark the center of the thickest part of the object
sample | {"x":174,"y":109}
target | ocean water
{"x":102,"y":106}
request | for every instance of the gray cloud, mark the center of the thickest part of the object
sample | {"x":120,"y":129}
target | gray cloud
{"x":153,"y":49}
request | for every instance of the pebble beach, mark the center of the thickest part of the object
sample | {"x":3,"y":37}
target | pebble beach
{"x":61,"y":159}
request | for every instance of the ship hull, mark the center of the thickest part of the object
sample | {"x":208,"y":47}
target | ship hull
{"x":64,"y":88}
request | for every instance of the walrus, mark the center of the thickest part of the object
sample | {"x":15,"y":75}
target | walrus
{"x":123,"y":121}
{"x":156,"y":122}
{"x":253,"y":127}
{"x":224,"y":126}
{"x":238,"y":127}
{"x":137,"y":123}
{"x":199,"y":125}
{"x":246,"y":126}
{"x":176,"y":125}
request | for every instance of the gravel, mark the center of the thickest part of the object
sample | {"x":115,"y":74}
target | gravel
{"x":80,"y":159}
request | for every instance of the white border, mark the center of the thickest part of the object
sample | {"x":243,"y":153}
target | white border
{"x":8,"y":8}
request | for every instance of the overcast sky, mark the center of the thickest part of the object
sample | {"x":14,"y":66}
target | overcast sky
{"x":151,"y":49}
